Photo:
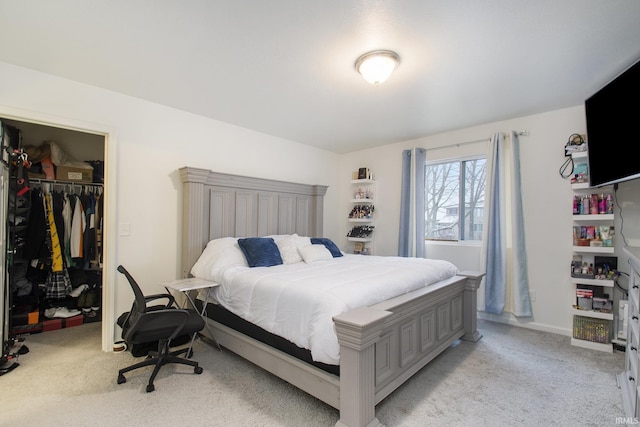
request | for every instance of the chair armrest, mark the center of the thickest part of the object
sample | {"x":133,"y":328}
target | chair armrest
{"x":168,"y":296}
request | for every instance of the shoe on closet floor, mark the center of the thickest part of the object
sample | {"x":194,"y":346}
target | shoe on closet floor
{"x":77,"y":291}
{"x":93,"y":298}
{"x":64,"y":313}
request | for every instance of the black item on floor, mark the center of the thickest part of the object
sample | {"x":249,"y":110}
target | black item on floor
{"x":162,"y":324}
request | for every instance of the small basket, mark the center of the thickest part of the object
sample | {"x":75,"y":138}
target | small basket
{"x":589,"y":329}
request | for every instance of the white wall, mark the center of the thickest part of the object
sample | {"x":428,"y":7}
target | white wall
{"x":146,"y":144}
{"x":546,"y":197}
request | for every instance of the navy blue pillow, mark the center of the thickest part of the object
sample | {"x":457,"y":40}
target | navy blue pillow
{"x":335,"y":251}
{"x":260,"y":251}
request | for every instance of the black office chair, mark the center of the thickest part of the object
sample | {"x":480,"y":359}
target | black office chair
{"x":162,"y":323}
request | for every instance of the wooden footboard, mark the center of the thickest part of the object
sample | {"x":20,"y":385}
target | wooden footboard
{"x":381,"y":346}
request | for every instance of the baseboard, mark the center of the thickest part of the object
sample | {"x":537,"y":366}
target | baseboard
{"x":510,"y":319}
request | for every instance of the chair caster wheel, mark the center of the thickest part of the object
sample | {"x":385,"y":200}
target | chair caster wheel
{"x":121,"y":379}
{"x":150,"y":388}
{"x":198,"y":370}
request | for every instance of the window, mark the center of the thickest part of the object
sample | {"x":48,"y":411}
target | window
{"x":454,"y":199}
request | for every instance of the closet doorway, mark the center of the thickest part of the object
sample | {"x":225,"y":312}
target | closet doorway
{"x":35,"y":307}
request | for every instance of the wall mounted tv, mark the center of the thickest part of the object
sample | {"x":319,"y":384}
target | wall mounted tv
{"x":612,"y":115}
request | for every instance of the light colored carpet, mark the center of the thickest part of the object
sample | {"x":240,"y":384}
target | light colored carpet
{"x":511,"y":377}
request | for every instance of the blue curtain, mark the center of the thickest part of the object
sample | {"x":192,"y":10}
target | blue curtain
{"x":521,"y":300}
{"x":411,"y":240}
{"x":499,"y":252}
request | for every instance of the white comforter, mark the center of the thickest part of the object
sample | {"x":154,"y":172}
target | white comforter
{"x":298,"y":301}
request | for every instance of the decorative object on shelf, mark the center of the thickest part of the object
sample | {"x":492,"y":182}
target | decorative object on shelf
{"x":592,"y":204}
{"x":362,"y":211}
{"x":593,"y":235}
{"x":361,"y":194}
{"x":364,"y":173}
{"x":575,"y":144}
{"x":361,"y":231}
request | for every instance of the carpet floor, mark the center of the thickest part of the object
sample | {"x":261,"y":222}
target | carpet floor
{"x":511,"y":377}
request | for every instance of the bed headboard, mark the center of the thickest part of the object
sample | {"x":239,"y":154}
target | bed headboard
{"x":222,"y":205}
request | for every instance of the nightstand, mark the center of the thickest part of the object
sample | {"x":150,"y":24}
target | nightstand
{"x":193,"y":284}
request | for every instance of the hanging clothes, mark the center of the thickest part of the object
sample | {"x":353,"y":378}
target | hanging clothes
{"x":77,"y":229}
{"x":35,"y":240}
{"x":62,"y":234}
{"x":58,"y":283}
{"x":99,"y":212}
{"x":66,"y":237}
{"x":89,"y":236}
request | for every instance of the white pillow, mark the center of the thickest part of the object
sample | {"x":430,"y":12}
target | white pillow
{"x":288,"y":248}
{"x":218,"y":255}
{"x":303,"y":241}
{"x":313,"y":253}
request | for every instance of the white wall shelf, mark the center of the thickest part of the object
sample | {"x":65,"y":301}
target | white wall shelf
{"x":593,"y":217}
{"x":592,"y":313}
{"x":594,"y":282}
{"x":364,"y":194}
{"x":594,"y":249}
{"x":590,"y":327}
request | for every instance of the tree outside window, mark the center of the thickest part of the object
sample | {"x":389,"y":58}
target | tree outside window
{"x":454,"y":199}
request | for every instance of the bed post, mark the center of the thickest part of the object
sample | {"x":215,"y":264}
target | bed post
{"x":358,"y":330}
{"x":194,"y":237}
{"x":471,"y":332}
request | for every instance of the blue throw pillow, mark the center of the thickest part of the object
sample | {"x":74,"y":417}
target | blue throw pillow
{"x":335,"y":251}
{"x":260,"y":251}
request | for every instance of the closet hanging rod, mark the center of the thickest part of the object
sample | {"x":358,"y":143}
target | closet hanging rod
{"x":59,"y":181}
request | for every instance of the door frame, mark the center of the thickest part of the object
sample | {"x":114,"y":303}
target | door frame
{"x":109,"y":192}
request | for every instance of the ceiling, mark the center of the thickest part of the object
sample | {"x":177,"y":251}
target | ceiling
{"x":286,"y":67}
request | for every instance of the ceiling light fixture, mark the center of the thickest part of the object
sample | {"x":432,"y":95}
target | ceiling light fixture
{"x":377,"y":66}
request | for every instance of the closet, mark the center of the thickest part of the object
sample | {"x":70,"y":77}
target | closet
{"x":52,"y":275}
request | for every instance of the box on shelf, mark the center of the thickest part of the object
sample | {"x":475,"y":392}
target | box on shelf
{"x":602,"y":304}
{"x":584,"y":299}
{"x":73,"y":173}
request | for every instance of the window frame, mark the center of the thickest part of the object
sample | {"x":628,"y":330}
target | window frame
{"x":461,"y":199}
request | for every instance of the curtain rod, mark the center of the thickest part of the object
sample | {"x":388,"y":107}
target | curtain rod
{"x":520,"y":133}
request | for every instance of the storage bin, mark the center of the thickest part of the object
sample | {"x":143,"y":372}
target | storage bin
{"x":590,"y":329}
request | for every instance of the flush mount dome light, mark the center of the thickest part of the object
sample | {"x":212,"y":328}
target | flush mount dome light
{"x":376,"y":67}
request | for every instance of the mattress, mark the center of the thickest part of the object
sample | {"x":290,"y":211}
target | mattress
{"x":298,"y":301}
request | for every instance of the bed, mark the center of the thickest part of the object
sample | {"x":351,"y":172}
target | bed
{"x":380,"y":344}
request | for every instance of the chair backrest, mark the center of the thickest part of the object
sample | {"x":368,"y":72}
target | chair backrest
{"x":145,"y":323}
{"x":140,"y":304}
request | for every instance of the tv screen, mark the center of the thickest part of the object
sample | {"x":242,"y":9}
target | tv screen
{"x":612,"y":114}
